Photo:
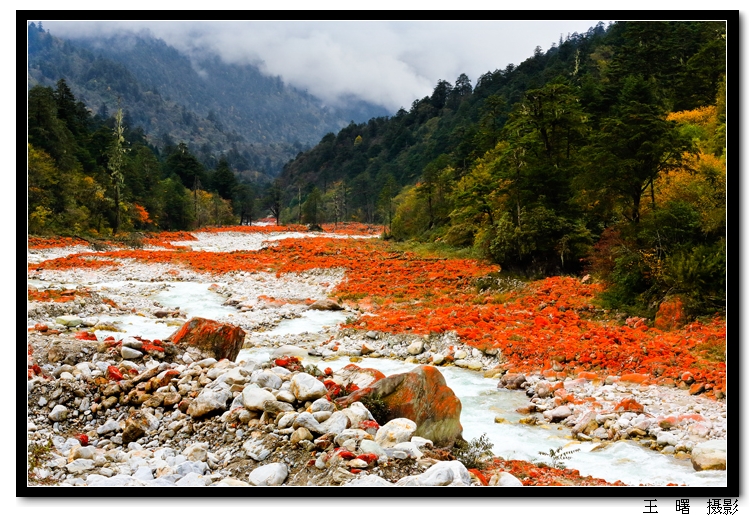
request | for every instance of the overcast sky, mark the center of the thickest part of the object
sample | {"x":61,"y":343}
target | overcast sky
{"x":390,"y":63}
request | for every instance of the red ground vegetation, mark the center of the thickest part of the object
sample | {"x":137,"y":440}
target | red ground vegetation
{"x":550,"y":325}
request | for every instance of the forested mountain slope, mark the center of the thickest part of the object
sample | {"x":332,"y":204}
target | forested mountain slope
{"x":603,"y":154}
{"x":216,"y":108}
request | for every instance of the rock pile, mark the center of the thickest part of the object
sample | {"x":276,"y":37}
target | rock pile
{"x":99,"y":419}
{"x":661,"y":418}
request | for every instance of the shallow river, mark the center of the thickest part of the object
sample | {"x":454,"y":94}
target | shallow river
{"x":481,"y":400}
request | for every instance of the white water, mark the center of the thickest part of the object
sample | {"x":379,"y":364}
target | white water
{"x":480,"y":398}
{"x":310,"y":321}
{"x":482,"y":401}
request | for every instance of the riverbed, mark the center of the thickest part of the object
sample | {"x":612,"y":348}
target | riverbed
{"x":194,"y":294}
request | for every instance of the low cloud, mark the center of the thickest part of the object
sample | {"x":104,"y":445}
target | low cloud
{"x":390,"y":63}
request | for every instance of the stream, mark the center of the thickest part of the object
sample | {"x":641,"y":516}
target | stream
{"x":481,"y":400}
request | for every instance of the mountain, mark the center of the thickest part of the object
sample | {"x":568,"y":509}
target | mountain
{"x":216,"y":108}
{"x":605,"y":154}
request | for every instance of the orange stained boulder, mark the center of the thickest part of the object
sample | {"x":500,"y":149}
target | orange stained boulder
{"x":420,"y":395}
{"x":218,"y":340}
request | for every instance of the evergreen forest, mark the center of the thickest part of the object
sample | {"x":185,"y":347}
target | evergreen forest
{"x":603,"y":155}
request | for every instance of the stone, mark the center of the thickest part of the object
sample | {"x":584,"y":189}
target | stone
{"x":130,"y":353}
{"x":443,"y":473}
{"x":372,"y":335}
{"x":502,"y":478}
{"x":469,"y":365}
{"x":265,"y":379}
{"x":629,"y":405}
{"x":321,"y":404}
{"x":209,"y":400}
{"x":192,"y":479}
{"x":196,"y":451}
{"x":416,"y":347}
{"x":256,"y":449}
{"x":275,"y":406}
{"x":353,"y":374}
{"x":289,"y":351}
{"x":58,"y":413}
{"x":300,"y":434}
{"x":710,"y":455}
{"x":368,"y":481}
{"x":512,"y":381}
{"x":665,"y":438}
{"x":421,"y":396}
{"x":395,"y":431}
{"x":137,"y":425}
{"x":357,"y":414}
{"x":409,"y":448}
{"x":79,"y":466}
{"x":111,"y":426}
{"x":254,"y":399}
{"x":217,"y":340}
{"x":272,"y":474}
{"x":69,"y":320}
{"x":307,"y":421}
{"x":305,"y":387}
{"x":326,"y":305}
{"x":557,"y":414}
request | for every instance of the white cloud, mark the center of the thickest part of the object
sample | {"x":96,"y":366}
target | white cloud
{"x":387,"y":62}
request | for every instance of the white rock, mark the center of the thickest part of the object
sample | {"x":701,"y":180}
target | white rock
{"x":131,"y":342}
{"x":254,"y":398}
{"x":130,"y":353}
{"x":307,"y":421}
{"x":209,"y":400}
{"x":196,"y":451}
{"x":371,"y":447}
{"x":369,"y":480}
{"x":409,"y":448}
{"x":305,"y":387}
{"x":557,"y":414}
{"x":443,"y":473}
{"x":192,"y":479}
{"x":289,"y":351}
{"x":665,"y":438}
{"x":710,"y":455}
{"x":79,"y":466}
{"x":396,"y":431}
{"x":416,"y":347}
{"x":256,"y":449}
{"x":266,"y":379}
{"x":272,"y":474}
{"x":502,"y":478}
{"x":69,"y":320}
{"x":58,"y":413}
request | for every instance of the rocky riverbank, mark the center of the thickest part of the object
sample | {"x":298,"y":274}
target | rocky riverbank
{"x":79,"y":411}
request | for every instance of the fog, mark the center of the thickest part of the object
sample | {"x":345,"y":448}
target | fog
{"x":390,"y":63}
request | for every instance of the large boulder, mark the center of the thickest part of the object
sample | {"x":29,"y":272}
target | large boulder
{"x":421,"y":396}
{"x":218,"y":340}
{"x":326,"y":305}
{"x":710,"y":455}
